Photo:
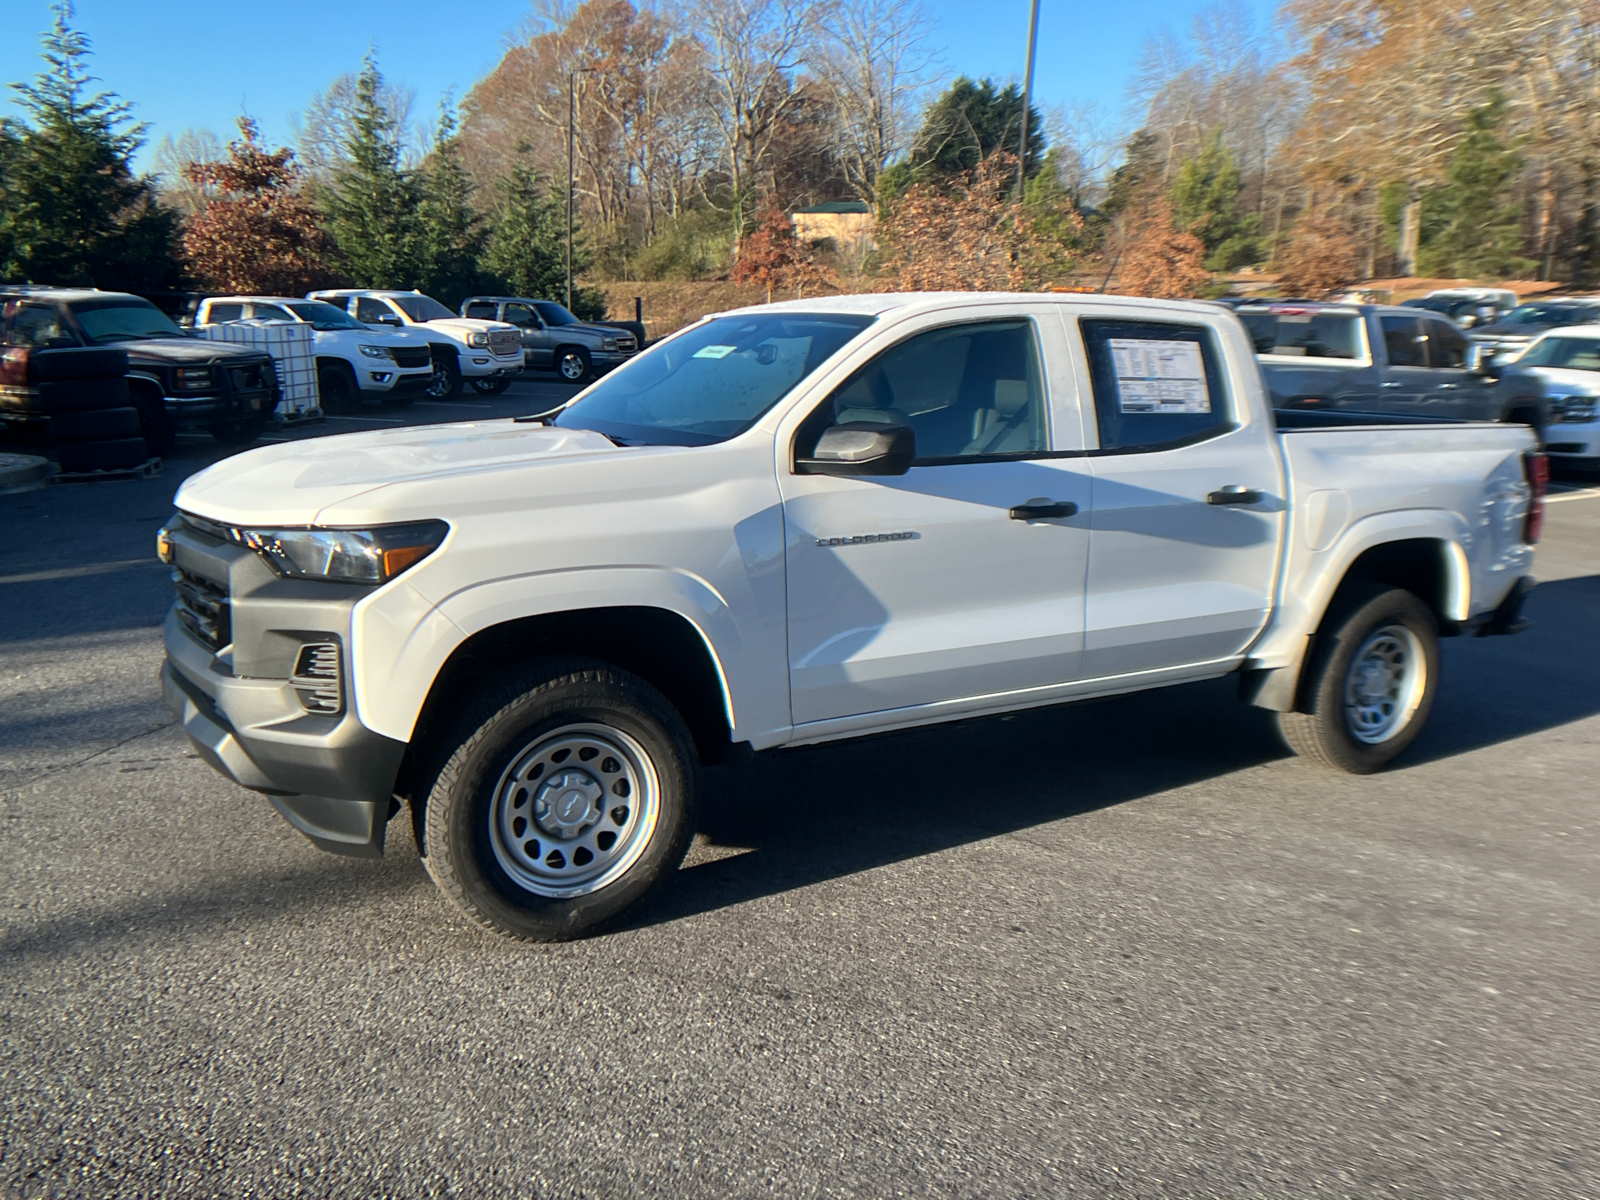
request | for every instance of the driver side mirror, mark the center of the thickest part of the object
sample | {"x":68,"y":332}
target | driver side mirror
{"x":389,"y":319}
{"x":861,"y":448}
{"x":1480,"y":361}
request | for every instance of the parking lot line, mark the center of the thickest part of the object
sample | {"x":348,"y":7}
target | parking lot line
{"x":386,"y":420}
{"x":446,"y":404}
{"x":1584,"y":494}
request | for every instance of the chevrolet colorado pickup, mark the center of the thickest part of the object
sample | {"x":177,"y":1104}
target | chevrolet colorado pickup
{"x":805,"y":522}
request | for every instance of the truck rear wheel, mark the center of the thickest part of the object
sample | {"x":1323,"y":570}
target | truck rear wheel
{"x":565,"y":798}
{"x":1372,"y":682}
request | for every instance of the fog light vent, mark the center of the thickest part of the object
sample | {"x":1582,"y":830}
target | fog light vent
{"x":317,"y":679}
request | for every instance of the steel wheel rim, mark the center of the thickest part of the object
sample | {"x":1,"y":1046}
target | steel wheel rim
{"x":572,"y":367}
{"x":574,"y":810}
{"x":1384,"y":684}
{"x":439,"y":385}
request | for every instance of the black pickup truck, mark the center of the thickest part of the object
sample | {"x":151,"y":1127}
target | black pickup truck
{"x":230,"y":391}
{"x":1382,"y":359}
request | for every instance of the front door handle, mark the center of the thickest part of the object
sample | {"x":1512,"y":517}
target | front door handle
{"x":1234,"y":494}
{"x":1448,"y":387}
{"x":1035,"y":510}
{"x":1392,"y":384}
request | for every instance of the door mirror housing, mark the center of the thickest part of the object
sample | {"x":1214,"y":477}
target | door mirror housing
{"x":861,"y":448}
{"x":388,"y":319}
{"x":1480,"y":361}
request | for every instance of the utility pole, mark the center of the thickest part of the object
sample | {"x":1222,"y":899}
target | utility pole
{"x":1027,"y":96}
{"x":572,"y":118}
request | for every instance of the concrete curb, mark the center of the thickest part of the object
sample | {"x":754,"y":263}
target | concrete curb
{"x":23,"y":472}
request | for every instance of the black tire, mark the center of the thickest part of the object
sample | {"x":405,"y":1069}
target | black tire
{"x":102,"y":425}
{"x":446,"y":383}
{"x":468,"y":819}
{"x":492,"y":386}
{"x":239,"y":433}
{"x":337,"y":391}
{"x":122,"y":454}
{"x":155,"y":422}
{"x":572,"y":364}
{"x":1358,"y":716}
{"x":66,"y":396}
{"x":104,"y":362}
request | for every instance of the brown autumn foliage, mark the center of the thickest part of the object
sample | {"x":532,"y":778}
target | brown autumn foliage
{"x":1322,"y":256}
{"x":257,"y":233}
{"x":773,"y":257}
{"x":1158,"y":259}
{"x":970,"y":235}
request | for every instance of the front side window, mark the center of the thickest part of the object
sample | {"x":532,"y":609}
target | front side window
{"x":1156,"y":385}
{"x":371,"y":311}
{"x":108,"y":321}
{"x":1446,"y":346}
{"x":1304,"y":334}
{"x":40,"y":327}
{"x":967,"y":392}
{"x":1404,"y":341}
{"x":269,"y":312}
{"x":521,"y":315}
{"x":321,"y":316}
{"x":713,"y":381}
{"x":421,"y":308}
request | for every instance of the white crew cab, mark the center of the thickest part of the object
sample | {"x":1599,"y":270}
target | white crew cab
{"x":805,"y":522}
{"x":486,"y":354}
{"x":352,"y":360}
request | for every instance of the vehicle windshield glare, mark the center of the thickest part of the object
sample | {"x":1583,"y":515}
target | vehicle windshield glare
{"x":554,"y":315}
{"x":421,"y":308}
{"x":712,"y":382}
{"x":1569,"y":353}
{"x":322,"y":316}
{"x":123,"y":320}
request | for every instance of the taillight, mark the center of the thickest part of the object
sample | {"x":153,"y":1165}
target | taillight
{"x":1536,"y":468}
{"x":14,"y":366}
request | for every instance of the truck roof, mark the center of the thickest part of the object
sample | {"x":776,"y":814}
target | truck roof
{"x":878,"y":303}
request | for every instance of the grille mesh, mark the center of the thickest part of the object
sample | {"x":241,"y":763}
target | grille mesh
{"x":202,"y":608}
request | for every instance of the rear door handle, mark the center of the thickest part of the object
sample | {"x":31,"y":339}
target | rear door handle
{"x":1234,"y":494}
{"x":1035,"y":510}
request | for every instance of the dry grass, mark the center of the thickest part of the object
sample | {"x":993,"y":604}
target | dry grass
{"x":670,"y":306}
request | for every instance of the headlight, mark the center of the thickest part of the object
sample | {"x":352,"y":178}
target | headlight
{"x":376,"y":351}
{"x":608,"y":344}
{"x":192,"y":379}
{"x":1573,"y":410}
{"x":480,"y":340}
{"x":369,"y":556}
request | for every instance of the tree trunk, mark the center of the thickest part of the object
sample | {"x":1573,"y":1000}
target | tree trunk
{"x":1410,"y":234}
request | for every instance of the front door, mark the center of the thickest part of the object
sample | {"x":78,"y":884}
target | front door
{"x":1188,"y":503}
{"x":1455,"y":391}
{"x":1405,"y":380}
{"x":537,"y":345}
{"x":964,"y":577}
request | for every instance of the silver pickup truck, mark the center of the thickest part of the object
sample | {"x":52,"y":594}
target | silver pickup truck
{"x":804,"y":522}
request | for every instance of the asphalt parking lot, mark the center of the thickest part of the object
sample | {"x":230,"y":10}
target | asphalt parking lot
{"x":1128,"y":948}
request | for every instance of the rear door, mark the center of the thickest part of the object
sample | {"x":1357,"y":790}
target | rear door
{"x":1406,"y":380}
{"x":1455,"y":390}
{"x":1188,"y":501}
{"x":964,"y":577}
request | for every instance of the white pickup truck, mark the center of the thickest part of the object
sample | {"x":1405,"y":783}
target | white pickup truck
{"x":806,"y":522}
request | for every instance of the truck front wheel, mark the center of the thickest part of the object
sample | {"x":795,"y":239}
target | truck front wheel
{"x":567,"y":796}
{"x":1372,"y":682}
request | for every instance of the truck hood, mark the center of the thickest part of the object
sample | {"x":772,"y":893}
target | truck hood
{"x":460,"y":326}
{"x":184,"y":350}
{"x":1565,"y":381}
{"x":292,"y":483}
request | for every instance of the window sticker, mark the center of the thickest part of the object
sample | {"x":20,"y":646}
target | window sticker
{"x":714,"y":351}
{"x":1160,"y":377}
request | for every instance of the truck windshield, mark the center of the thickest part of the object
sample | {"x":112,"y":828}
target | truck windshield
{"x":1546,"y":314}
{"x":554,"y":315}
{"x":322,"y":316}
{"x":1571,"y":353}
{"x":421,"y":308}
{"x":123,"y":320}
{"x":1304,"y":334}
{"x":714,"y":381}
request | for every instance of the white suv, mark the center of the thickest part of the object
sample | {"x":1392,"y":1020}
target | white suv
{"x":488,"y":354}
{"x":352,"y":360}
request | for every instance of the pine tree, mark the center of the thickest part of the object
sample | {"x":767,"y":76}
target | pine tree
{"x":451,"y":230}
{"x":527,"y":239}
{"x":71,"y":209}
{"x":1472,"y":226}
{"x":372,"y":202}
{"x":1205,"y":202}
{"x":968,"y":123}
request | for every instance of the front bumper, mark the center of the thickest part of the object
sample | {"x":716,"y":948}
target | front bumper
{"x":1577,"y":439}
{"x":476,"y":364}
{"x":330,"y":776}
{"x":413,"y":384}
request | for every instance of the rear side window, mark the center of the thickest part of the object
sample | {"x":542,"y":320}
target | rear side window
{"x":1404,"y":341}
{"x":1156,"y":385}
{"x":39,"y":327}
{"x":216,"y":314}
{"x":481,"y":311}
{"x":1304,"y":334}
{"x":1446,"y":346}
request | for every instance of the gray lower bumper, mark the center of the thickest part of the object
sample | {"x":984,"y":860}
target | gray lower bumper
{"x":332,"y":778}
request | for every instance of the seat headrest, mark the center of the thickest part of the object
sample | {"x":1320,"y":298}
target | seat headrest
{"x":877,"y":416}
{"x":1010,"y":395}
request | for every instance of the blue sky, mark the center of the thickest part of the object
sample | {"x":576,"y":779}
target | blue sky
{"x":200,"y":63}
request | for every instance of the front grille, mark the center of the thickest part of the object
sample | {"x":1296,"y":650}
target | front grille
{"x":247,"y":378}
{"x":505,"y":341}
{"x":626,"y":344}
{"x":202,"y":608}
{"x":317,"y":679}
{"x":412,"y":356}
